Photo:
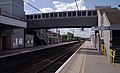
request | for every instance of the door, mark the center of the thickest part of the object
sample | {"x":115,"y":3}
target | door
{"x":4,"y":42}
{"x":0,"y":43}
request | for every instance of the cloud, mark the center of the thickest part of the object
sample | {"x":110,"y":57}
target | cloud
{"x":33,"y":0}
{"x":62,"y":6}
{"x":28,"y":12}
{"x":45,"y":10}
{"x":56,"y":2}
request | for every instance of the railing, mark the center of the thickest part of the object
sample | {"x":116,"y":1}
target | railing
{"x":112,"y":55}
{"x":103,"y":49}
{"x":7,"y":14}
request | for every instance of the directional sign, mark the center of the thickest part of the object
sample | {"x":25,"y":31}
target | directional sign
{"x":101,"y":28}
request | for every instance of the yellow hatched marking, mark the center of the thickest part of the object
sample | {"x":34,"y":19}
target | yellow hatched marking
{"x":83,"y":66}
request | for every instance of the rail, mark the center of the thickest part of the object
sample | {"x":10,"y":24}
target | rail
{"x":56,"y":63}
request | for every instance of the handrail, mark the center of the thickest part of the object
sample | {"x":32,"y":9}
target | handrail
{"x":112,"y":55}
{"x":103,"y":49}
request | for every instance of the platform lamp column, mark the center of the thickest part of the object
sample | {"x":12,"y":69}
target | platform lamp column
{"x":96,"y":38}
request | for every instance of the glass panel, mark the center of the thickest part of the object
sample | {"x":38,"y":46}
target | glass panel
{"x":89,"y":13}
{"x":39,"y":16}
{"x":60,"y":14}
{"x":74,"y":13}
{"x":84,"y":13}
{"x":64,"y":14}
{"x":69,"y":14}
{"x":35,"y":16}
{"x":79,"y":13}
{"x":27,"y":16}
{"x":55,"y":14}
{"x":31,"y":16}
{"x":94,"y":12}
{"x":43,"y":15}
{"x":51,"y":15}
{"x":47,"y":15}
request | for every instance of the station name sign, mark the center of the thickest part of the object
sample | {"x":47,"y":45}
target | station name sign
{"x":101,"y":28}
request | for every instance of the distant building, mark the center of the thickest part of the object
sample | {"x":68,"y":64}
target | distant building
{"x":52,"y":37}
{"x":64,"y":38}
{"x":70,"y":36}
{"x":12,"y":24}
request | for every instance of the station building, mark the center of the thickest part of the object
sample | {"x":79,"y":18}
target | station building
{"x":12,"y":24}
{"x":13,"y":27}
{"x":107,"y":34}
{"x":109,"y":18}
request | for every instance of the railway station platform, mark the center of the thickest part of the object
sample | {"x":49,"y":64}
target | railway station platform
{"x":13,"y":52}
{"x":88,"y":60}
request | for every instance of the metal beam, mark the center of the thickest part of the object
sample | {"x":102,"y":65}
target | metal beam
{"x":63,"y":22}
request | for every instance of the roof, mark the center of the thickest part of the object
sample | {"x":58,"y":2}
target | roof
{"x":108,"y":10}
{"x":51,"y":33}
{"x":113,"y":17}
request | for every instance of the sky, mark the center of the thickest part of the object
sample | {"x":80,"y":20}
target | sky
{"x":68,"y":5}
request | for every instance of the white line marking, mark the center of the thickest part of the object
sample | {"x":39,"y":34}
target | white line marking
{"x":68,"y":60}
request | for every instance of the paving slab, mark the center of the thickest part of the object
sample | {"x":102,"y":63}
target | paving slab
{"x":88,"y":60}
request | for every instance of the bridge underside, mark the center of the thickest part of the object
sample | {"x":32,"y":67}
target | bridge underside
{"x":79,"y":22}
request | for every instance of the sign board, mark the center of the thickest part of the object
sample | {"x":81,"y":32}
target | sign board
{"x":101,"y":28}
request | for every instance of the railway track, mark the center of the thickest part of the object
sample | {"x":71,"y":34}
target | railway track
{"x":56,"y":63}
{"x":44,"y":61}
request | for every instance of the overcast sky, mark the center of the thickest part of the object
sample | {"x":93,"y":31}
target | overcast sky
{"x":68,"y":5}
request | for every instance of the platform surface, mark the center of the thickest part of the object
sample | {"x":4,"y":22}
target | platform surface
{"x":88,"y":60}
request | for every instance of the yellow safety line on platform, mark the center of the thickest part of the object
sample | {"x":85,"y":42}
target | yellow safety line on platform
{"x":83,"y":65}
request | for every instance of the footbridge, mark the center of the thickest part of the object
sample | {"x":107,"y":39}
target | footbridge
{"x":68,"y":19}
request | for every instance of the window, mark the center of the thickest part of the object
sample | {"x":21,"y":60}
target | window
{"x":43,"y":15}
{"x":69,"y":14}
{"x":94,"y":12}
{"x":89,"y":13}
{"x":79,"y":13}
{"x":60,"y":14}
{"x":39,"y":16}
{"x":64,"y":14}
{"x":51,"y":15}
{"x":84,"y":13}
{"x":20,"y":41}
{"x":55,"y":14}
{"x":35,"y":16}
{"x":27,"y":16}
{"x":74,"y":13}
{"x":31,"y":16}
{"x":47,"y":15}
